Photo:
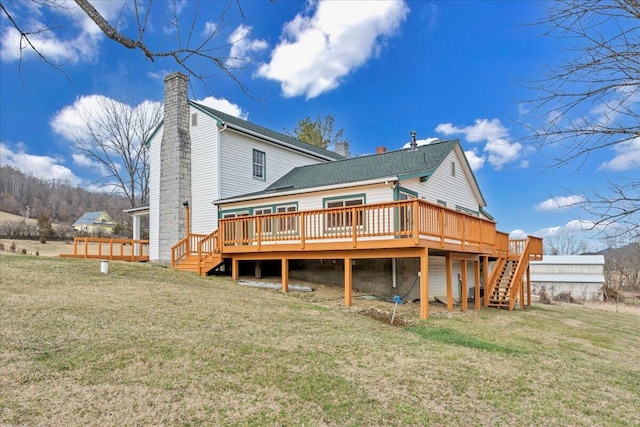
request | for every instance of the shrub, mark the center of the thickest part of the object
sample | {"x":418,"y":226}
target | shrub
{"x":43,"y":239}
{"x":23,"y":251}
{"x":2,"y":247}
{"x":37,"y":253}
{"x":13,"y":247}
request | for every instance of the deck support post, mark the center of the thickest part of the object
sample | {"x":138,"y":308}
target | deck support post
{"x":235,"y":267}
{"x":476,"y":284}
{"x":348,"y":276}
{"x":529,"y":285}
{"x":448,"y":275}
{"x":258,"y":270}
{"x":463,"y":290}
{"x":485,"y":279}
{"x":285,"y":275}
{"x":424,"y":284}
{"x":522,"y":294}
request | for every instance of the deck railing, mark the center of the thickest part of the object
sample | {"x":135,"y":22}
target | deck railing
{"x":185,"y":247}
{"x":111,"y":249}
{"x":407,"y":219}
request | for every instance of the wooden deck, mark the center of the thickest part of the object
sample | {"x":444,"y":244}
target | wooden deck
{"x":109,"y":249}
{"x":402,"y":229}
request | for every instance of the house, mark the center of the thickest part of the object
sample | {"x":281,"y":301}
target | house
{"x":581,"y":276}
{"x":198,"y":155}
{"x":95,"y":223}
{"x":227,"y":194}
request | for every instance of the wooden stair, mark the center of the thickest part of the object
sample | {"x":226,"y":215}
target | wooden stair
{"x":500,"y":295}
{"x":205,"y":266}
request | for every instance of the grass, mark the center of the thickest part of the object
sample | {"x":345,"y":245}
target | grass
{"x":145,"y":345}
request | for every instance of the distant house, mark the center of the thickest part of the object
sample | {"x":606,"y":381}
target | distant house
{"x":95,"y":223}
{"x":580,"y":275}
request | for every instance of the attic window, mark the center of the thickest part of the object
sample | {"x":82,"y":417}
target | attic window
{"x":194,"y":119}
{"x":453,"y":168}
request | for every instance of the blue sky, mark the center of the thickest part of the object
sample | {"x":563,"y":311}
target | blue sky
{"x":446,"y":69}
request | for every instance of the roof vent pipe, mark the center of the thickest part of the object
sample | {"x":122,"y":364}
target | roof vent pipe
{"x":414,"y":144}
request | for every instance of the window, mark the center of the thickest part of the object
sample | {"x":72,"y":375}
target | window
{"x":288,"y":223}
{"x":344,"y":218}
{"x":265,"y":223}
{"x":258,"y":164}
{"x":453,"y":168}
{"x":194,"y":119}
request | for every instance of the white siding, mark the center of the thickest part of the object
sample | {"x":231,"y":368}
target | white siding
{"x":154,"y":194}
{"x":454,"y":190}
{"x":237,"y":163}
{"x":205,"y":164}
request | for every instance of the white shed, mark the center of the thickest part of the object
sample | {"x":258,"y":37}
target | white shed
{"x":580,"y":275}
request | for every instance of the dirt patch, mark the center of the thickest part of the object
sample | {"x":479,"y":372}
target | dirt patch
{"x":332,"y":296}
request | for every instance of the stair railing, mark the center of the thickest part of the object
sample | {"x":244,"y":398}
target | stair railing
{"x":208,"y":246}
{"x":516,"y":280}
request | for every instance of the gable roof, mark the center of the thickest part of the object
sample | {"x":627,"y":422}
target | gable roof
{"x":90,"y":218}
{"x":264,"y":133}
{"x":400,"y":164}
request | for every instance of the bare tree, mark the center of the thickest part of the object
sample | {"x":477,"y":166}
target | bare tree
{"x":590,"y":102}
{"x":113,"y":137}
{"x":195,"y":45}
{"x":622,"y":263}
{"x":564,"y":242}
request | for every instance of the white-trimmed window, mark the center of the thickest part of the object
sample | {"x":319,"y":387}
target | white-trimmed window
{"x":259,"y":160}
{"x":344,"y":218}
{"x":265,"y":222}
{"x":288,"y":223}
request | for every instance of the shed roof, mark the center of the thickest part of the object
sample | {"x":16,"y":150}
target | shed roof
{"x":571,"y":260}
{"x":567,"y":278}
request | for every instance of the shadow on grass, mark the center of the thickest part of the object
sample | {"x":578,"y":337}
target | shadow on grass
{"x":449,"y":336}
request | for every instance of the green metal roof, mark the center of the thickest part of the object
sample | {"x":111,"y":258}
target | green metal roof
{"x":90,"y":218}
{"x":235,"y":122}
{"x":403,"y":164}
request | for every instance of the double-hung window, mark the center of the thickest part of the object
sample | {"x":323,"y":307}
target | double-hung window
{"x":265,"y":222}
{"x":259,"y":159}
{"x":287,"y":224}
{"x":344,"y":218}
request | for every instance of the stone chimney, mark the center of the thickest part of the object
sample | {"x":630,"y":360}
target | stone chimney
{"x":342,"y":148}
{"x":175,"y":165}
{"x":381,"y":149}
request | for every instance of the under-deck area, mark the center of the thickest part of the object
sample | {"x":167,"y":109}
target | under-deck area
{"x":402,"y":229}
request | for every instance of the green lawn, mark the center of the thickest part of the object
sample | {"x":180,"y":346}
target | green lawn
{"x":145,"y":345}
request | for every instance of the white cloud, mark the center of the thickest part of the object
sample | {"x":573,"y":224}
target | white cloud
{"x":560,"y":202}
{"x":210,"y":28}
{"x":316,"y":51}
{"x":627,"y":157}
{"x":42,"y":166}
{"x":242,"y":46}
{"x":518,"y":235}
{"x":499,"y":149}
{"x":224,"y":106}
{"x":75,"y":37}
{"x":475,"y":161}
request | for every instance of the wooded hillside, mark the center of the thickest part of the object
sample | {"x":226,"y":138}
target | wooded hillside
{"x":30,"y":196}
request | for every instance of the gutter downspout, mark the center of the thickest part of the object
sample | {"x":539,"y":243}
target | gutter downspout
{"x":219,"y":160}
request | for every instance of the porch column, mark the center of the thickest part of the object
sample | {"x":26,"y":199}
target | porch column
{"x":476,"y":284}
{"x":424,"y":284}
{"x":348,"y":276}
{"x":136,"y":234}
{"x":235,"y":267}
{"x":285,"y":275}
{"x":448,"y":275}
{"x":463,"y":290}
